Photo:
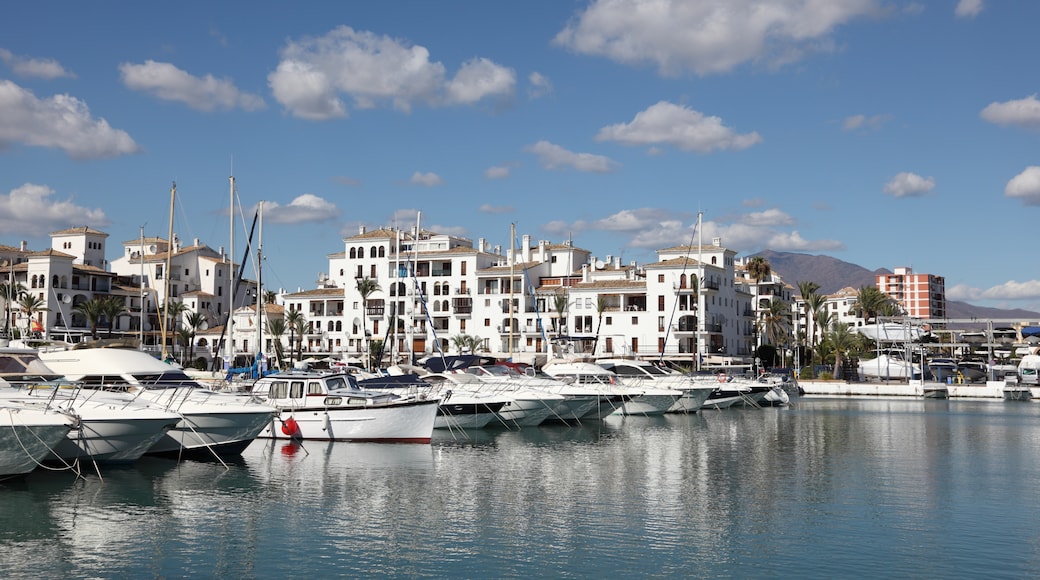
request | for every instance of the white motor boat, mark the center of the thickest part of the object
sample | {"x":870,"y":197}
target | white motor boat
{"x":639,"y":373}
{"x":28,"y":435}
{"x":463,"y":403}
{"x":888,"y":367}
{"x":528,"y":405}
{"x":111,"y":427}
{"x":621,"y":399}
{"x":331,"y":407}
{"x":211,"y":422}
{"x":891,"y":332}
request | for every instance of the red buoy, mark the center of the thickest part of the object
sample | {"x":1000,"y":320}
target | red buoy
{"x":291,"y":428}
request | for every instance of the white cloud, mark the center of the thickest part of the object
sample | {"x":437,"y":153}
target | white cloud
{"x":169,"y":83}
{"x":968,"y":8}
{"x":373,"y":70}
{"x":1025,"y":186}
{"x":480,"y":78}
{"x":61,"y":121}
{"x":1010,"y":290}
{"x":1022,"y":113}
{"x":30,"y":209}
{"x":553,"y":156}
{"x":656,"y":228}
{"x":426,"y":179}
{"x":540,"y":85}
{"x":499,"y":172}
{"x":711,"y":36}
{"x":634,"y":220}
{"x":488,"y":208}
{"x":769,"y":217}
{"x":44,"y":68}
{"x":681,"y":127}
{"x":907,"y":184}
{"x":306,"y":208}
{"x":855,"y":122}
{"x":458,"y":231}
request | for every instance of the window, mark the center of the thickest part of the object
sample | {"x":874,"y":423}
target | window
{"x":660,"y":278}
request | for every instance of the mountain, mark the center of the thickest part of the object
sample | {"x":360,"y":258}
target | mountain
{"x":833,"y":274}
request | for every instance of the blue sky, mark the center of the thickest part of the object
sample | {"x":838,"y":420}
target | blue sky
{"x":883,"y":133}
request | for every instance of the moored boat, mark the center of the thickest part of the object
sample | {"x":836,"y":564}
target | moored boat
{"x":331,"y":407}
{"x":28,"y":435}
{"x":211,"y":423}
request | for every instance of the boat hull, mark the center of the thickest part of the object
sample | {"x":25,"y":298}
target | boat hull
{"x":27,"y":437}
{"x":691,"y":401}
{"x":409,"y":422}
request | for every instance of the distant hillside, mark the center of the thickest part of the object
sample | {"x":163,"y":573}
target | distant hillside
{"x":833,"y":274}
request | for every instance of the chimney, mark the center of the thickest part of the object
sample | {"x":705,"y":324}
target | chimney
{"x":361,"y":230}
{"x":24,"y":245}
{"x":482,"y":245}
{"x":525,"y":251}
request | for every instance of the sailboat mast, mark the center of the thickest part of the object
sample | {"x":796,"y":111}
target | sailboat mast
{"x":260,"y":293}
{"x":512,"y":265}
{"x":701,"y":346}
{"x":229,"y":346}
{"x":166,"y":286}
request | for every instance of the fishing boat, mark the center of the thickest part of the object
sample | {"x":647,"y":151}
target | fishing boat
{"x":331,"y":407}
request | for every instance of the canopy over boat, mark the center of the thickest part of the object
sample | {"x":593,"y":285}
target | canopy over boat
{"x":891,"y":332}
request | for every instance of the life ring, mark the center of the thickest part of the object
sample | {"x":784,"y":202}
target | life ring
{"x":722,"y":377}
{"x":290,"y":427}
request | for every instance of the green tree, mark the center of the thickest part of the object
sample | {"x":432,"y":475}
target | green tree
{"x":112,"y":307}
{"x":295,"y":322}
{"x":774,"y":322}
{"x":806,"y":288}
{"x":366,"y":287}
{"x":560,"y":303}
{"x":465,"y":342}
{"x":842,"y":341}
{"x":10,"y":294}
{"x":92,"y":310}
{"x":193,"y":322}
{"x":869,"y":302}
{"x":276,"y":328}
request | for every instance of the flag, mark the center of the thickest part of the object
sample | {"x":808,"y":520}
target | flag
{"x":36,"y":326}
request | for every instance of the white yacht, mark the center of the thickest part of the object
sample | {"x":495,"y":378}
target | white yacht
{"x":27,"y":436}
{"x":111,"y":426}
{"x":639,"y":373}
{"x":463,"y":405}
{"x":619,"y":398}
{"x":211,"y":422}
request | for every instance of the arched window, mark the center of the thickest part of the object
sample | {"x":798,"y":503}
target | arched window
{"x":54,"y":282}
{"x":682,"y":280}
{"x":339,"y":326}
{"x":372,"y":252}
{"x":353,"y":253}
{"x":382,"y":252}
{"x":713,"y":260}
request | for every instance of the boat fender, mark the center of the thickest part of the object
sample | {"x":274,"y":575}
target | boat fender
{"x":722,"y":378}
{"x":290,"y":427}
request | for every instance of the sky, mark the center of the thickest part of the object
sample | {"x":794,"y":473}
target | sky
{"x":882,"y":133}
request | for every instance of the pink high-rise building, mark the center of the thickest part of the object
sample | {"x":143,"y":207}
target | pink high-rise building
{"x":920,"y":295}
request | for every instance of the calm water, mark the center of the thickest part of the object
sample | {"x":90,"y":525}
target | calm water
{"x":824,"y":489}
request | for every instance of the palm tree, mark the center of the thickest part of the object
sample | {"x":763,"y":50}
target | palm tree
{"x":816,"y":305}
{"x":299,"y":325}
{"x":774,"y":321}
{"x":806,"y":288}
{"x":183,"y":336}
{"x":112,"y":307}
{"x":30,"y":304}
{"x":174,"y":310}
{"x":276,"y":328}
{"x":870,"y":300}
{"x":560,"y":304}
{"x":93,"y":311}
{"x":193,"y":322}
{"x":465,"y":342}
{"x":294,"y":320}
{"x":842,"y":340}
{"x":758,"y":268}
{"x":270,"y":296}
{"x":366,"y":287}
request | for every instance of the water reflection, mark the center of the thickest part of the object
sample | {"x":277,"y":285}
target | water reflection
{"x":936,"y":487}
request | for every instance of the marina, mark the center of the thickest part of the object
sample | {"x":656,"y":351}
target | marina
{"x":823,"y":488}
